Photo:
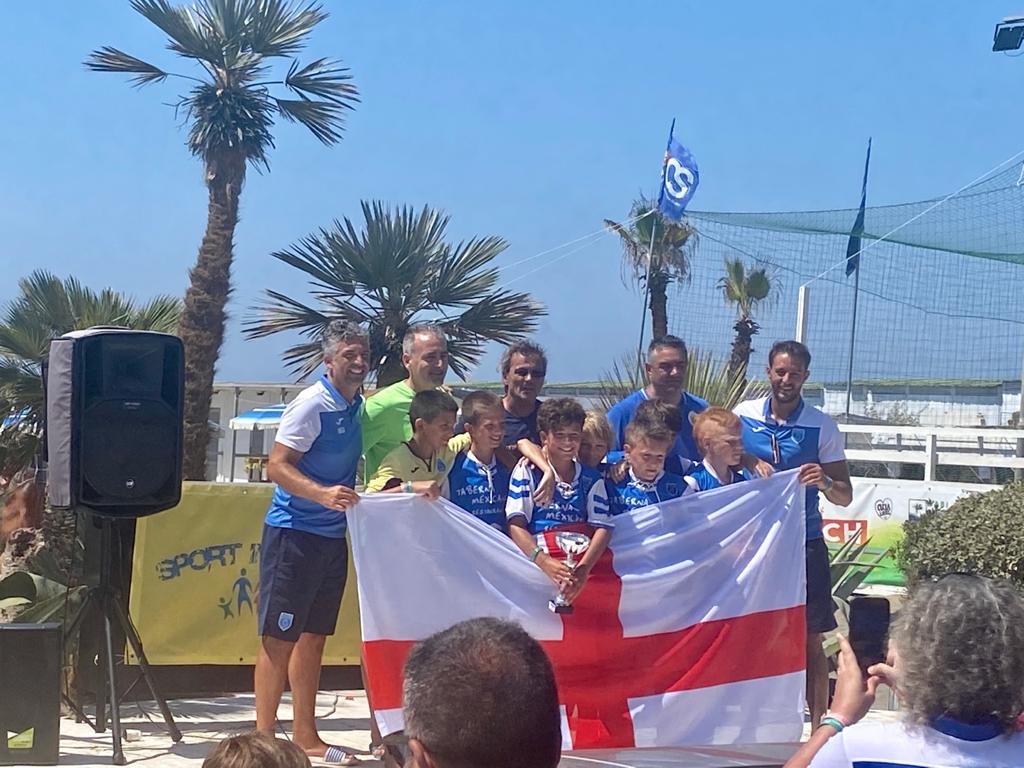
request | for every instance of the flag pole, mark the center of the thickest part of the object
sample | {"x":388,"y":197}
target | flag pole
{"x":650,"y":253}
{"x":853,"y":336}
{"x":858,"y":232}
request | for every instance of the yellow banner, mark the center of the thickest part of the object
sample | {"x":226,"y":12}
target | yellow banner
{"x":195,"y":580}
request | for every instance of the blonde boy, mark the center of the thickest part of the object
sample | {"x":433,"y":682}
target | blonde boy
{"x":719,"y":437}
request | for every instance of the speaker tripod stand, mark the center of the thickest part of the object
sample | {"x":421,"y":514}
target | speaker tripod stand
{"x":107,"y":600}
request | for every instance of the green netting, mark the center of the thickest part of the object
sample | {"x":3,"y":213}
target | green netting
{"x":940,"y":299}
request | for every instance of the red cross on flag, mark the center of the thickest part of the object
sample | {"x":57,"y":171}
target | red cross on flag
{"x":689,"y":631}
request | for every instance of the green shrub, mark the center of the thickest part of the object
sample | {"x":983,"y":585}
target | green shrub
{"x":982,"y":534}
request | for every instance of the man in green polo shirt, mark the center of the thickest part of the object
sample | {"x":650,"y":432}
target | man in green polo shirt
{"x":385,"y":420}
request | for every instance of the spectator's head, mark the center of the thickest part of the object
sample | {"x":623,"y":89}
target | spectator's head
{"x":959,"y":647}
{"x":666,"y":365}
{"x":425,"y":356}
{"x":648,"y":442}
{"x":560,"y":423}
{"x":484,"y":420}
{"x":789,"y":365}
{"x":346,"y":354}
{"x":719,"y":436}
{"x":481,"y":694}
{"x":432,"y":414}
{"x":256,"y":750}
{"x":523,"y":368}
{"x":597,"y":439}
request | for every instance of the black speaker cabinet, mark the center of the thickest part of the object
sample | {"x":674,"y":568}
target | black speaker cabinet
{"x":114,"y":421}
{"x":30,"y":664}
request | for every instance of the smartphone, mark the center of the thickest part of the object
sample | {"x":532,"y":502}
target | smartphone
{"x":869,"y":630}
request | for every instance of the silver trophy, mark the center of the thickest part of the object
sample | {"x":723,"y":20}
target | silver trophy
{"x":574,"y":545}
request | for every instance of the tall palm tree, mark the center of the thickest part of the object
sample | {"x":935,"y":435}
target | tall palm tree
{"x":395,"y":270}
{"x":745,"y":289}
{"x":230,"y":111}
{"x":674,"y":245}
{"x":47,"y":307}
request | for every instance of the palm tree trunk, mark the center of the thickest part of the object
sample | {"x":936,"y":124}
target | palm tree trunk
{"x":203,"y":316}
{"x":392,"y":370}
{"x":659,"y":305}
{"x":739,"y":359}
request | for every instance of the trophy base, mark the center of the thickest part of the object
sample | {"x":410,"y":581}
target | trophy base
{"x":556,"y":607}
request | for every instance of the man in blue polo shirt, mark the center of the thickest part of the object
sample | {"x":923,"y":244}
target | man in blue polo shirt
{"x":787,"y":433}
{"x":666,"y":375}
{"x":303,"y":557}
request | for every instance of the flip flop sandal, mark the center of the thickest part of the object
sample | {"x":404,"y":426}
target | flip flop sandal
{"x":336,"y":756}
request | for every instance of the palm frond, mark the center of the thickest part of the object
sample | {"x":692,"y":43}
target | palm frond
{"x":324,"y":79}
{"x":462,"y":275}
{"x":280,"y":28}
{"x":323,"y":118}
{"x":159,"y":314}
{"x":109,"y":59}
{"x":189,"y":37}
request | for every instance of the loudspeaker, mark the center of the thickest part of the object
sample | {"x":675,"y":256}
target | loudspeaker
{"x":114,"y":421}
{"x":30,"y":664}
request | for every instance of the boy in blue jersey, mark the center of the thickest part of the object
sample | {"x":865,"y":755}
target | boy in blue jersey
{"x":787,"y":433}
{"x":578,"y":504}
{"x":645,"y":481}
{"x":719,"y":435}
{"x":478,"y":482}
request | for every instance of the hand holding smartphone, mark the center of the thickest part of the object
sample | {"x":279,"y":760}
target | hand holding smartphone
{"x":869,"y":630}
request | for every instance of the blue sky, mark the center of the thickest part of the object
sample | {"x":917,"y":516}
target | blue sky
{"x":528,"y":120}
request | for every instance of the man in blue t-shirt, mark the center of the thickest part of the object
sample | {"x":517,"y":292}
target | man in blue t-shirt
{"x":666,"y":375}
{"x":303,"y":557}
{"x":788,"y":434}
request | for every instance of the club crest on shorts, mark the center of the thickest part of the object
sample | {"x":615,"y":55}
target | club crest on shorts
{"x":285,"y":621}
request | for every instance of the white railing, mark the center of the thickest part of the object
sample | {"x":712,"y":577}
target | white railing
{"x":932,"y":447}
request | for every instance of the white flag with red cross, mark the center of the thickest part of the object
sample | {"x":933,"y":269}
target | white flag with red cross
{"x":690,"y":629}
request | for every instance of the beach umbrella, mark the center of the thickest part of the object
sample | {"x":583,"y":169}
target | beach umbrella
{"x":264,"y":417}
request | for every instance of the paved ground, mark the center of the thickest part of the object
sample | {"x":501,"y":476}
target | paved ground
{"x":341,"y":716}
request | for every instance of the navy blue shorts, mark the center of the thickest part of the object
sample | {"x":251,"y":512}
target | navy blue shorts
{"x":302,"y":579}
{"x":820,"y":611}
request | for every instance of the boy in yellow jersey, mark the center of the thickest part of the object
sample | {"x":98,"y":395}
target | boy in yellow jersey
{"x":422,"y":463}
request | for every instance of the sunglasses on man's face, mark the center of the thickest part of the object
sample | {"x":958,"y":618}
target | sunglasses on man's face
{"x":537,"y":373}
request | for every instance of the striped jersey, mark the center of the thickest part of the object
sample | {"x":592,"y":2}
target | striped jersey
{"x":584,"y":500}
{"x":480,"y":489}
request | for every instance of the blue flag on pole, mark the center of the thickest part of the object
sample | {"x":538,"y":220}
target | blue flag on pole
{"x":679,"y":178}
{"x":853,"y":246}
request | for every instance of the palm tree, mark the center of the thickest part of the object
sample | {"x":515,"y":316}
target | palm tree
{"x":47,"y":307}
{"x":396,"y":270}
{"x":746,"y":290}
{"x":230,"y":111}
{"x":670,"y":255}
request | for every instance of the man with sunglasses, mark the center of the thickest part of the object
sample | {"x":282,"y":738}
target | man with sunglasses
{"x":523,"y":368}
{"x":666,"y":377}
